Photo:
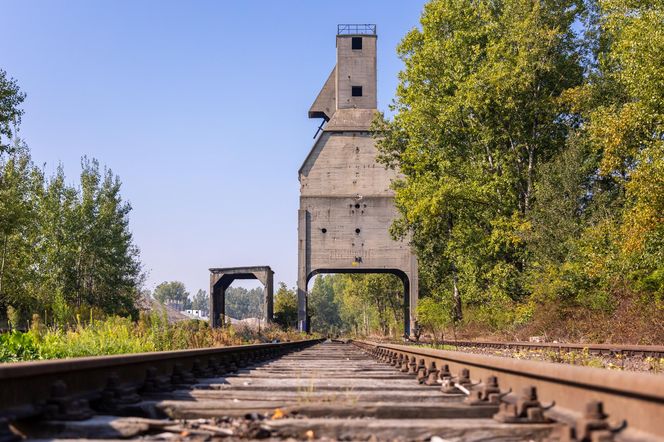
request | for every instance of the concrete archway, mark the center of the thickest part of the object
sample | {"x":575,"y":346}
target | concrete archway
{"x":222,"y":278}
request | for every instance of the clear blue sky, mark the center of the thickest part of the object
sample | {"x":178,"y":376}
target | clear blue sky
{"x":199,"y":106}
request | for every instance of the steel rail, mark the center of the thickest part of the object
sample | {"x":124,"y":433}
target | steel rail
{"x":28,"y":389}
{"x":656,"y":351}
{"x":637,"y":398}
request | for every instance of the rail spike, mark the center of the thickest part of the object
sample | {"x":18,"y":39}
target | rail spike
{"x":432,"y":375}
{"x":115,"y":395}
{"x":444,"y":373}
{"x":155,"y":384}
{"x":526,"y":409}
{"x":489,"y":394}
{"x":421,"y":372}
{"x":592,"y":426}
{"x":404,"y":363}
{"x":412,"y":366}
{"x":399,"y":361}
{"x":198,"y":371}
{"x":214,"y":366}
{"x":459,"y":385}
{"x":62,"y":407}
{"x":181,"y":376}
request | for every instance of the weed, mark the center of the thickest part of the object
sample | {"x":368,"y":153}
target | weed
{"x":117,"y":335}
{"x":656,"y":365}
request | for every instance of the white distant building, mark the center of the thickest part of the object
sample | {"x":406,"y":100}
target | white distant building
{"x":197,"y":314}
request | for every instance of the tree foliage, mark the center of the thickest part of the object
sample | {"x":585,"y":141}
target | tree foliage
{"x":174,"y":291}
{"x":323,"y":304}
{"x":357,"y":304}
{"x":63,"y":249}
{"x":201,"y":301}
{"x":242,"y":303}
{"x":529,"y":136}
{"x":11,"y":99}
{"x":285,"y":307}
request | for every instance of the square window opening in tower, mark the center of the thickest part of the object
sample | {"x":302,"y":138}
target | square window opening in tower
{"x":356,"y":43}
{"x":356,"y":91}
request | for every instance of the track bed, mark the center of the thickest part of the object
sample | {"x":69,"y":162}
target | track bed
{"x":326,"y":391}
{"x":329,"y":391}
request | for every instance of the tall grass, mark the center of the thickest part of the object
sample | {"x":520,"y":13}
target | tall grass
{"x":117,"y":335}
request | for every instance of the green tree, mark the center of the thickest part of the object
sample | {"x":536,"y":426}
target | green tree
{"x":62,"y":248}
{"x":11,"y":99}
{"x":107,"y":268}
{"x":285,"y":307}
{"x":383,"y":293}
{"x":597,"y":225}
{"x":623,"y":110}
{"x":201,"y":301}
{"x":323,"y":306}
{"x":17,"y":229}
{"x":357,"y":304}
{"x":174,"y":291}
{"x":242,"y":303}
{"x":59,"y":240}
{"x":434,"y":315}
{"x":478,"y":110}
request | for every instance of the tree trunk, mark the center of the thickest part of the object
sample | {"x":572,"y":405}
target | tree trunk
{"x":458,"y":308}
{"x":529,"y":181}
{"x":2,"y":264}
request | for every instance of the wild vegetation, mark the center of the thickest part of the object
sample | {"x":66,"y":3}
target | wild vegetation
{"x":356,"y":304}
{"x":285,"y":307}
{"x":63,"y":249}
{"x":530,"y":136}
{"x":117,"y":335}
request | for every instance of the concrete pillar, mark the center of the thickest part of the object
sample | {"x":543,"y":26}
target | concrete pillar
{"x":266,"y":277}
{"x":269,"y":297}
{"x":217,"y":301}
{"x":302,"y":270}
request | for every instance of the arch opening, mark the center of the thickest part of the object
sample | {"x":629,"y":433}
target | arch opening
{"x":222,"y":278}
{"x":365,"y":305}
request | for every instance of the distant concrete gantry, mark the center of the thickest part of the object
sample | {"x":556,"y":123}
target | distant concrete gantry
{"x":222,"y":278}
{"x":346,"y":203}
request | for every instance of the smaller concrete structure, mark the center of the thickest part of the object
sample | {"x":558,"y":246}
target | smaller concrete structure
{"x":222,"y":278}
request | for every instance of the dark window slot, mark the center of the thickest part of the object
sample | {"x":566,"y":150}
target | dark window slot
{"x":357,"y":43}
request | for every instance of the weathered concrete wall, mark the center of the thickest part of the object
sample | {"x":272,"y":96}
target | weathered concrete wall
{"x":326,"y":102}
{"x":344,"y":163}
{"x":346,"y":204}
{"x":356,"y":68}
{"x":349,"y":232}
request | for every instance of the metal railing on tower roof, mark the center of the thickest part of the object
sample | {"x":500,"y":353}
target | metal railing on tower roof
{"x":356,"y":29}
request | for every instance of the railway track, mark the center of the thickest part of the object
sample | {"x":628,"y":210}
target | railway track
{"x":655,"y":351}
{"x":325,"y":390}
